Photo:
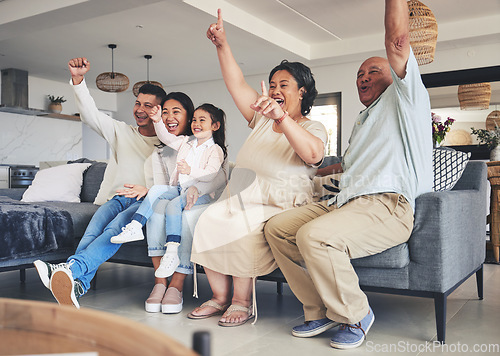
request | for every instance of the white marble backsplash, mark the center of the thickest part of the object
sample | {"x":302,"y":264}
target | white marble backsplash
{"x":27,"y":140}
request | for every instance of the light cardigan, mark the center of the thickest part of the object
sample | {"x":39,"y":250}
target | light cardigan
{"x":210,"y":162}
{"x":129,"y":149}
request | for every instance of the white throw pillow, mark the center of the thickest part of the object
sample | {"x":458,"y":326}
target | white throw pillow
{"x":60,"y":183}
{"x":448,"y":166}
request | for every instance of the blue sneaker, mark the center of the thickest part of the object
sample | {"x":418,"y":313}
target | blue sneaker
{"x":350,"y":336}
{"x":313,"y":327}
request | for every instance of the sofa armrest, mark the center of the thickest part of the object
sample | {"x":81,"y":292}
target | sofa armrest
{"x":14,"y":193}
{"x":449,"y":235}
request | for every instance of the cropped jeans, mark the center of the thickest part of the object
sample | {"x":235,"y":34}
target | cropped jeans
{"x":95,"y":247}
{"x":157,"y":226}
{"x":173,"y":211}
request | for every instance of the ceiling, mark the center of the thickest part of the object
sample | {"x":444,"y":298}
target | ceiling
{"x":41,"y":36}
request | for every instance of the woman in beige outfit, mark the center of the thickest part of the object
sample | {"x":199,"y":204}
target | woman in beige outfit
{"x":273,"y":172}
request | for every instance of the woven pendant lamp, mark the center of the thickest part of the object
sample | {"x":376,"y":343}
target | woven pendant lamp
{"x":138,"y":85}
{"x":493,"y":120}
{"x":423,"y":32}
{"x":474,"y":96}
{"x":112,"y":82}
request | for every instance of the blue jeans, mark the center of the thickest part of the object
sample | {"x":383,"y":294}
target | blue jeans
{"x":156,"y":236}
{"x":173,"y":214}
{"x":175,"y":206}
{"x":95,"y":247}
{"x":147,"y":207}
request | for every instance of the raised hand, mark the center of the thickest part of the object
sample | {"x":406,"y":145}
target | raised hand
{"x":267,"y":106}
{"x":78,"y":67}
{"x":215,"y":32}
{"x":183,"y":167}
{"x":155,"y":114}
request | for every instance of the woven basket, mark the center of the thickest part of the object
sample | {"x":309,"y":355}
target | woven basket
{"x":112,"y":82}
{"x":423,"y":32}
{"x":493,"y":120}
{"x":474,"y":96}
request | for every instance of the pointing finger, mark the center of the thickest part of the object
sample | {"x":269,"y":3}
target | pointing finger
{"x":264,"y":89}
{"x":220,"y":23}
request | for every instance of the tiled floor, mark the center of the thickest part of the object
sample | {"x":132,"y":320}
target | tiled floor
{"x":404,"y":325}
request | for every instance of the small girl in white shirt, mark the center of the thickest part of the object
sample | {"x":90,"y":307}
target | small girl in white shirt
{"x":199,"y":158}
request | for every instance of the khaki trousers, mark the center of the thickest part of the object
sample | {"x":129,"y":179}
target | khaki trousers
{"x":313,"y":245}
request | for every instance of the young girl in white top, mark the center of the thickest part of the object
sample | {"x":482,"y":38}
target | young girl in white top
{"x":199,"y":158}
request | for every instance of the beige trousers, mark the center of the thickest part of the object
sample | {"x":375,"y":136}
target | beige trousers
{"x":313,"y":245}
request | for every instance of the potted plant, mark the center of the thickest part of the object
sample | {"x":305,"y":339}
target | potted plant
{"x":55,"y":104}
{"x":491,"y":138}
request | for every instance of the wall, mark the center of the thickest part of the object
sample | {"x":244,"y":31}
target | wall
{"x":331,"y":78}
{"x":26,"y":139}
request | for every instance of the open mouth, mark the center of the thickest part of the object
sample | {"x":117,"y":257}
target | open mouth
{"x":197,"y":130}
{"x":280,"y":101}
{"x":172,"y":126}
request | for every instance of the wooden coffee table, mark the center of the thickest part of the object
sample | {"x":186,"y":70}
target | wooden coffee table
{"x":32,"y":327}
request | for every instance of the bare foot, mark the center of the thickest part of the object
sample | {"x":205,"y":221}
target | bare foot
{"x":236,"y":315}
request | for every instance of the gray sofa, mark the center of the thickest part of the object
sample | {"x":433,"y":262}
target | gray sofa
{"x":80,"y":214}
{"x":446,"y":247}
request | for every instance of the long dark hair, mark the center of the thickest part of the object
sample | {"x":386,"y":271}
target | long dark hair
{"x":217,"y":115}
{"x":186,"y":103}
{"x":304,"y":78}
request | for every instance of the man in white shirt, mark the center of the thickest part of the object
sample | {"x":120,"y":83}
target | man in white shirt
{"x":130,"y":146}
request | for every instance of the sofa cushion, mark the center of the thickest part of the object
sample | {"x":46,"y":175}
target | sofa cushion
{"x":395,"y":257}
{"x":326,"y":187}
{"x":61,"y":183}
{"x":448,"y":166}
{"x":92,"y":179}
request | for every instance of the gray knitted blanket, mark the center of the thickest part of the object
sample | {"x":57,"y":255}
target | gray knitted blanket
{"x":28,"y":229}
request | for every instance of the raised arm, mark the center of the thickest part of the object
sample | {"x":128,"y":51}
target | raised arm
{"x":242,"y":93}
{"x":307,"y":146}
{"x":78,"y":67}
{"x":90,"y":115}
{"x":397,"y":41}
{"x":161,"y":131}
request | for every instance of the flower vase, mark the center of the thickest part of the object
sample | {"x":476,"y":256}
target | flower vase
{"x":495,"y":154}
{"x":436,"y":144}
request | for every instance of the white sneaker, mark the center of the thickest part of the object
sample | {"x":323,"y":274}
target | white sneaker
{"x":64,"y":288}
{"x":169,"y":262}
{"x":131,"y":232}
{"x":46,"y":269}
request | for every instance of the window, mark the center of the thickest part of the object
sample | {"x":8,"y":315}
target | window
{"x":326,"y":110}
